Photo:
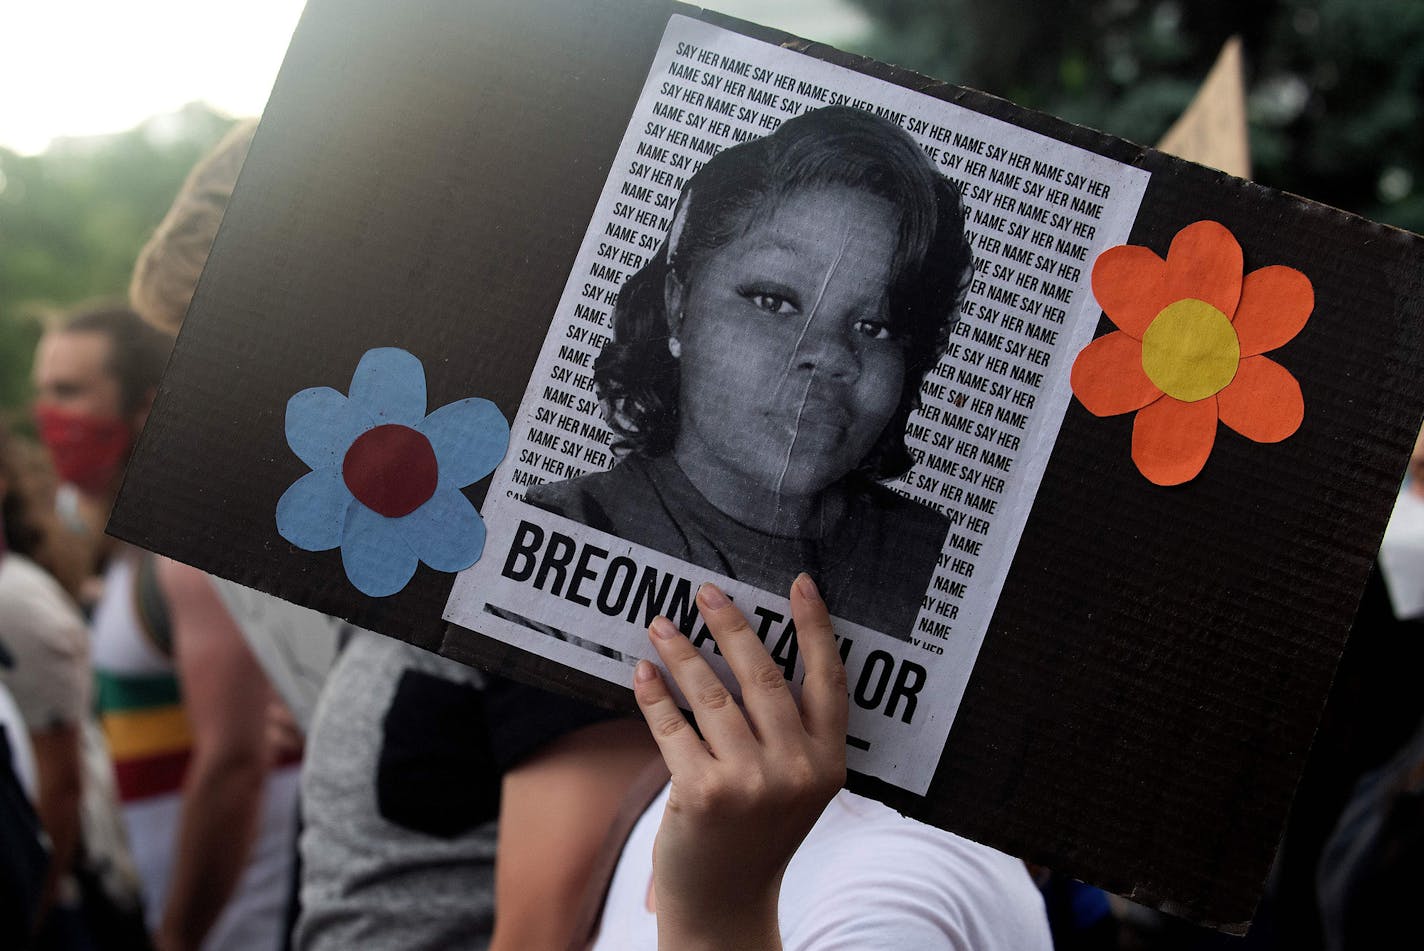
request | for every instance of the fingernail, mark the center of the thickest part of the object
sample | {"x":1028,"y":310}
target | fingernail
{"x":807,"y":587}
{"x":644,"y":672}
{"x":712,"y":596}
{"x":663,"y":628}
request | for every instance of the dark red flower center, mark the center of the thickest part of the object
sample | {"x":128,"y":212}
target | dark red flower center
{"x":391,"y":470}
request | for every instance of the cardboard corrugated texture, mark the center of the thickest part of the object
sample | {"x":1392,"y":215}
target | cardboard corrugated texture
{"x":1144,"y":701}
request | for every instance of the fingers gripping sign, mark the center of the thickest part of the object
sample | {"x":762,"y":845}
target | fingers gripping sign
{"x":742,"y":801}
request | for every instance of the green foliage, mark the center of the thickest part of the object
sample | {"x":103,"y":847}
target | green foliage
{"x":73,"y":219}
{"x":1334,"y":85}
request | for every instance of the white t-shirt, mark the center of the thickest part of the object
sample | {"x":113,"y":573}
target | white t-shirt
{"x":44,"y":633}
{"x":865,"y":878}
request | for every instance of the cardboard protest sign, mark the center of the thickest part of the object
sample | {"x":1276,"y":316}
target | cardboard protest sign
{"x":1089,"y":447}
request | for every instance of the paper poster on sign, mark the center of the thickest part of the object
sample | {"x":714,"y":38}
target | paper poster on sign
{"x":820,"y":322}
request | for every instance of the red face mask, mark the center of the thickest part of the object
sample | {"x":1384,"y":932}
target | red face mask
{"x":88,"y":451}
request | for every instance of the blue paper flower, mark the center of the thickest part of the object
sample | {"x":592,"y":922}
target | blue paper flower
{"x":386,"y":479}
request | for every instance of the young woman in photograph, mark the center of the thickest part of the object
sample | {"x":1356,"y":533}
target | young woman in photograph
{"x":765,"y":363}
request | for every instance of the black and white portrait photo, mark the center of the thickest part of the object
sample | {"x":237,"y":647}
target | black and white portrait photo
{"x":765,"y":362}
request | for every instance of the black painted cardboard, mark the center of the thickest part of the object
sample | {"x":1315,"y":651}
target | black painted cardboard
{"x":1142,"y":707}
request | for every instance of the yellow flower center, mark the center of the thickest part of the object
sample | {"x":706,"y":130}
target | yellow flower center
{"x":1190,"y":351}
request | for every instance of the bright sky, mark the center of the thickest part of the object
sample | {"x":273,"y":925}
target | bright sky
{"x":88,"y":67}
{"x":84,"y":67}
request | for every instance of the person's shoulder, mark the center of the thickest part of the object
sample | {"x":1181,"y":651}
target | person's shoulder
{"x":908,"y":518}
{"x":45,"y":638}
{"x":884,"y":497}
{"x":182,"y":581}
{"x":20,"y":574}
{"x":580,"y":499}
{"x":865,"y":826}
{"x":569,"y":494}
{"x":598,"y":499}
{"x":900,"y":881}
{"x":32,"y":602}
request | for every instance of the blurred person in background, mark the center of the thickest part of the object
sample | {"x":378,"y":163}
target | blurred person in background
{"x":65,"y":547}
{"x":91,"y":895}
{"x":209,"y":813}
{"x":47,"y":673}
{"x":22,"y":840}
{"x":46,"y":670}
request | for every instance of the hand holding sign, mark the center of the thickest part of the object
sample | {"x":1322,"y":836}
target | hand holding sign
{"x":742,"y":801}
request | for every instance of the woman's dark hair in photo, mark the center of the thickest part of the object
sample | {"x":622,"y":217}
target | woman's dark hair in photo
{"x":637,"y":377}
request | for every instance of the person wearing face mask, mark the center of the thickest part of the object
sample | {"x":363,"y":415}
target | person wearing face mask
{"x":209,"y":811}
{"x":94,"y":377}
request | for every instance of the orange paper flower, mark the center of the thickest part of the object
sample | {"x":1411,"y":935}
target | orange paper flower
{"x":1188,"y":348}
